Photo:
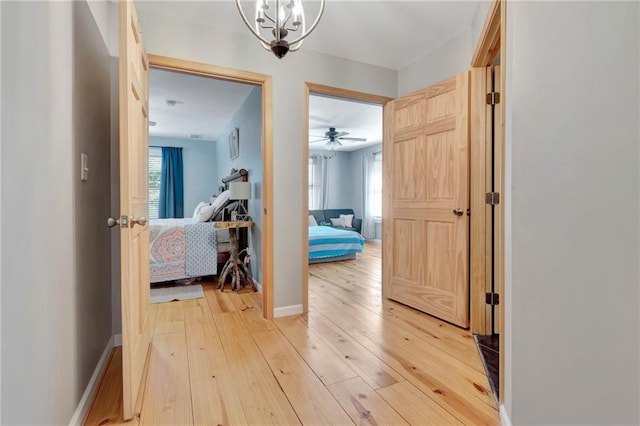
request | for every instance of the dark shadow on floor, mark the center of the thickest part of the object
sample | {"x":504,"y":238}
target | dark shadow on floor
{"x":489,"y":348}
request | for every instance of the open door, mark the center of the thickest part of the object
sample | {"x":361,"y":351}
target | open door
{"x":134,"y":231}
{"x":426,"y":200}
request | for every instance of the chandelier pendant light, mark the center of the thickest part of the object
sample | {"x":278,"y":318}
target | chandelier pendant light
{"x":280,"y":18}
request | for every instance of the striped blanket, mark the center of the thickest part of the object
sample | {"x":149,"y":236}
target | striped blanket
{"x":325,"y":241}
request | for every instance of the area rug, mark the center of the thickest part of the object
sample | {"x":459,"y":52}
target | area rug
{"x":183,"y":292}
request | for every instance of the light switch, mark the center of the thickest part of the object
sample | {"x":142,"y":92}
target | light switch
{"x":84,"y":167}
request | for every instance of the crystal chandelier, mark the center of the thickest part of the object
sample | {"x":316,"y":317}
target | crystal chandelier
{"x":284,"y":19}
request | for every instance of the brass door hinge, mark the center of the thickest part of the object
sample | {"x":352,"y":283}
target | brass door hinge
{"x":493,"y":98}
{"x":492,"y":198}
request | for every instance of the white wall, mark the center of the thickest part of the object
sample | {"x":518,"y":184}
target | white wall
{"x":173,"y":38}
{"x":199,"y":168}
{"x":450,"y":59}
{"x":572,"y":199}
{"x":38,"y":346}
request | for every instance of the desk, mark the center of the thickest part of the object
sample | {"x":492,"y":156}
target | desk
{"x":235,"y":266}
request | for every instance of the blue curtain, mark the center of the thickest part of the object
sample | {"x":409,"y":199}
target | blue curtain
{"x":171,"y":204}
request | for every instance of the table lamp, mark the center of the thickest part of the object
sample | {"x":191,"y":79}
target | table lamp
{"x":240,"y":191}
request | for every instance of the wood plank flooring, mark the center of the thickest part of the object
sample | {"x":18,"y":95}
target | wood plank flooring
{"x":353,"y":359}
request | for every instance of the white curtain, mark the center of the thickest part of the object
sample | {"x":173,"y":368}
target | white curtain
{"x":325,"y":182}
{"x":368,"y":225}
{"x":316,"y":200}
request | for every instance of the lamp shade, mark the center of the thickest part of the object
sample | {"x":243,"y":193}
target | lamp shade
{"x":239,"y":190}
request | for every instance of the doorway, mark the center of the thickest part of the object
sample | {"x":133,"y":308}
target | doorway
{"x":264,"y":189}
{"x":487,"y":248}
{"x":325,"y":148}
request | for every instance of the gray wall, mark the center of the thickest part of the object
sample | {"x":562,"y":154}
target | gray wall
{"x":170,"y":37}
{"x":199,"y":166}
{"x":477,"y":24}
{"x":451,"y":58}
{"x":56,"y":310}
{"x":248,"y":119}
{"x":572,"y":203}
{"x":91,"y":127}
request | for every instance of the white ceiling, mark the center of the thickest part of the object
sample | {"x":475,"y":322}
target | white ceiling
{"x":359,"y":119}
{"x":390,"y":34}
{"x":205,"y":107}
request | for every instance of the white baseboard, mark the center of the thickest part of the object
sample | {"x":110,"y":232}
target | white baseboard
{"x":117,"y":340}
{"x":286,"y":311}
{"x":258,"y":285}
{"x":92,"y":387}
{"x":504,"y":417}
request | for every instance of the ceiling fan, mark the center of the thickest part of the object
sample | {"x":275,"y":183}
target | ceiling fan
{"x":333,"y":138}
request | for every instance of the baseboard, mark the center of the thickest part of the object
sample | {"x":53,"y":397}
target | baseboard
{"x":117,"y":340}
{"x":504,"y":417}
{"x":258,"y":286}
{"x":286,"y":311}
{"x":92,"y":387}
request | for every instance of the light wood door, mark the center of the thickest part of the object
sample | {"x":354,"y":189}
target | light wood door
{"x":134,"y":232}
{"x":426,"y":178}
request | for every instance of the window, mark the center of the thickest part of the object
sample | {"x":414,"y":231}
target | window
{"x":377,"y":187}
{"x":313,"y":185}
{"x":155,"y":169}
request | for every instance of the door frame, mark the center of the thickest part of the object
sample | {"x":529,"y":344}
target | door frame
{"x":309,"y":88}
{"x":492,"y":42}
{"x":263,"y":81}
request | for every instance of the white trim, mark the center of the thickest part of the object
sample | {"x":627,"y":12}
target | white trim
{"x":258,"y":286}
{"x":504,"y":416}
{"x":92,"y":387}
{"x":117,"y":340}
{"x":286,"y":311}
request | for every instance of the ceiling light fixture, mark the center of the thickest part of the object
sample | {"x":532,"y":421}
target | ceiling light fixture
{"x":286,"y":17}
{"x":333,"y":144}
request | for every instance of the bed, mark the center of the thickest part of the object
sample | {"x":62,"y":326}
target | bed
{"x":189,"y":248}
{"x":183,"y":248}
{"x":328,"y":244}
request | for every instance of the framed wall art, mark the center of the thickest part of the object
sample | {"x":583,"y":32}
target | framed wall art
{"x":234,"y":143}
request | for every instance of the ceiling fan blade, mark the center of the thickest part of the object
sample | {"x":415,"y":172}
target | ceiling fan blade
{"x":318,"y":140}
{"x":339,"y":134}
{"x":354,"y":139}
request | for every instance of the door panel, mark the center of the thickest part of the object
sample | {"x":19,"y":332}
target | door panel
{"x":425,"y":260}
{"x":133,"y":204}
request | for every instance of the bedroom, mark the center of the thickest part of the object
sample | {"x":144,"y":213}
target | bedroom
{"x":200,"y":131}
{"x":345,"y":175}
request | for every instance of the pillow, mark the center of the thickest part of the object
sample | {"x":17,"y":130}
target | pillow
{"x":221,"y":200}
{"x":196,"y":211}
{"x":205,"y":213}
{"x":218,"y":204}
{"x":337,"y":222}
{"x":312,"y":221}
{"x":347,"y":219}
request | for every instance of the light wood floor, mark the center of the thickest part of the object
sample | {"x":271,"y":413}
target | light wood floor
{"x":354,"y":358}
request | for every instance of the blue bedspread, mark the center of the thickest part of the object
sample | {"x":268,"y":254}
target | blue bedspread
{"x":325,"y":241}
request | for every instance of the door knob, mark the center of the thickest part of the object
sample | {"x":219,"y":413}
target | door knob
{"x":458,"y":212}
{"x":111,"y":222}
{"x":142,"y":221}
